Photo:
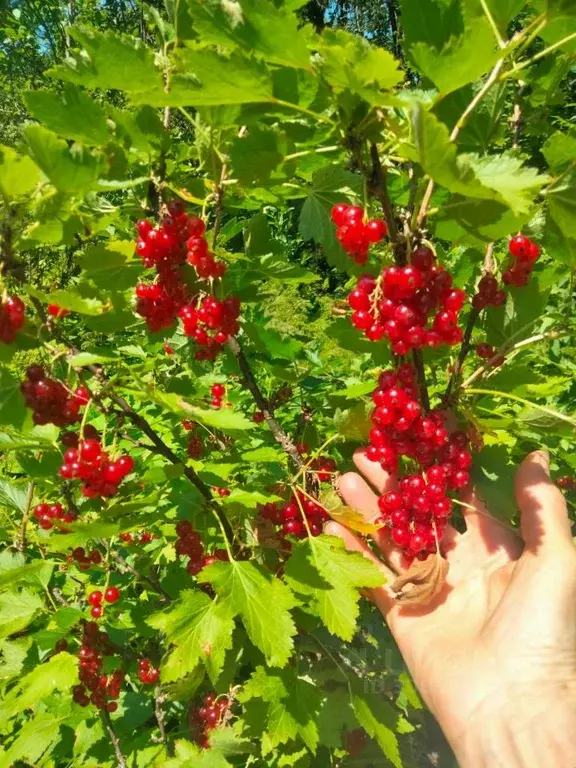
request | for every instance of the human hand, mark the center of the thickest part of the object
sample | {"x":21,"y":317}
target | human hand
{"x":494,"y":653}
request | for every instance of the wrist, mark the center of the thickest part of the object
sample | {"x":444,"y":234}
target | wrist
{"x":539,"y":730}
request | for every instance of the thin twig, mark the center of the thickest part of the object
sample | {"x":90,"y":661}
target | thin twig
{"x":490,"y":80}
{"x":159,"y":699}
{"x":381,"y":192}
{"x":106,"y":720}
{"x":154,"y":583}
{"x":280,"y":436}
{"x":219,"y":200}
{"x":506,"y":349}
{"x":21,"y":546}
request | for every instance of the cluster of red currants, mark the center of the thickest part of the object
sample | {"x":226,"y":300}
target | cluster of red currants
{"x":398,"y":304}
{"x":46,"y":514}
{"x":110,"y":595}
{"x":95,"y":645}
{"x":208,"y":716}
{"x":524,"y":253}
{"x":289,"y":516}
{"x":143,"y":537}
{"x":189,"y":544}
{"x":51,"y":402}
{"x":100,"y":476}
{"x":167,"y":247}
{"x":354,"y":234}
{"x":84,"y":559}
{"x":567,"y":483}
{"x":148,"y":674}
{"x":418,"y":512}
{"x":222,"y":492}
{"x":487,"y":294}
{"x":217,"y":391}
{"x":55,"y":311}
{"x":12,"y":318}
{"x":210,"y":316}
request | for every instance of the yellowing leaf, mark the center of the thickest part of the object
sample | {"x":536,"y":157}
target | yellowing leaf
{"x":349,"y":517}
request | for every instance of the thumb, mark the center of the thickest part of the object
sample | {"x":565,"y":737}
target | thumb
{"x":543,"y":514}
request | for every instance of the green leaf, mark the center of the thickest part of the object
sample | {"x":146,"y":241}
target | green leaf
{"x":18,"y":173}
{"x":70,"y":169}
{"x":36,"y":737}
{"x":14,"y":653}
{"x":109,"y":60}
{"x":36,"y":574}
{"x":68,"y":299}
{"x":72,"y":114}
{"x":80,"y":534}
{"x":248,"y":499}
{"x":270,"y":342}
{"x":264,"y":455}
{"x":323,"y":569}
{"x":59,"y":673}
{"x":499,"y":177}
{"x":12,"y":408}
{"x":351,"y":62}
{"x":88,"y":358}
{"x":257,"y":26}
{"x":515,"y":185}
{"x":450,"y":43}
{"x":17,"y":610}
{"x":493,"y":477}
{"x":380,"y":722}
{"x":559,"y":149}
{"x":13,"y":496}
{"x":263,"y":603}
{"x":562,"y":204}
{"x":201,"y":629}
{"x":503,"y":11}
{"x":293,"y":706}
{"x":330,"y":185}
{"x":255,"y":155}
{"x":212,"y":79}
{"x":226,"y":419}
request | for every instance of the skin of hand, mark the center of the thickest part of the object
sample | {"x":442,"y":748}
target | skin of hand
{"x":494,"y":654}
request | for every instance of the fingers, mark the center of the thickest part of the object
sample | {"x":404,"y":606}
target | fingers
{"x":489,"y":536}
{"x":543,"y":514}
{"x":381,"y":596}
{"x":359,"y":496}
{"x":374,"y":473}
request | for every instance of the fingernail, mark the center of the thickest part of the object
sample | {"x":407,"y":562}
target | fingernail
{"x":543,"y":458}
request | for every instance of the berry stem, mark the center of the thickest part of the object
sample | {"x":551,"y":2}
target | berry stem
{"x":421,"y":377}
{"x":280,"y":436}
{"x":466,"y":341}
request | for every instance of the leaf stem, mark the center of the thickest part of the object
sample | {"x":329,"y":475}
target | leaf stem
{"x":522,"y":401}
{"x":504,"y":350}
{"x":537,"y":56}
{"x":490,"y":80}
{"x":501,"y":42}
{"x":21,"y":546}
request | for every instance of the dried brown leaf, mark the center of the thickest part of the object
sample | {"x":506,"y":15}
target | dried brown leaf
{"x":422,"y":581}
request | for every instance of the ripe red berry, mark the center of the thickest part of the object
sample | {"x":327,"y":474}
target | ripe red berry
{"x":95,"y":598}
{"x":90,"y":451}
{"x":111,"y":594}
{"x":218,"y":390}
{"x":96,"y":611}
